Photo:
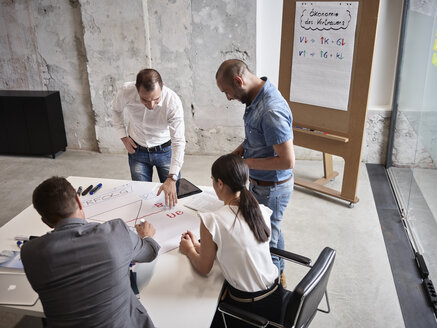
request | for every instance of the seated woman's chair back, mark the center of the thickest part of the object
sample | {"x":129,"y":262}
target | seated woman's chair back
{"x":298,"y":306}
{"x":302,"y":303}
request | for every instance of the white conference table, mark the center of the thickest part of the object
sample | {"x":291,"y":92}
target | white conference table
{"x":170,"y":289}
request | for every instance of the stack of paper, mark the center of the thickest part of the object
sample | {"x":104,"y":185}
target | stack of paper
{"x":204,"y":202}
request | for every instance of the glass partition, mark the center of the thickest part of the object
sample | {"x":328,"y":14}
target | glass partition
{"x":414,"y":154}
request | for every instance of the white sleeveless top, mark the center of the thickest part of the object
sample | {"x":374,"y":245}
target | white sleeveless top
{"x":245,"y":262}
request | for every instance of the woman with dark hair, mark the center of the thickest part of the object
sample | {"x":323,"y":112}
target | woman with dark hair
{"x":238,"y":236}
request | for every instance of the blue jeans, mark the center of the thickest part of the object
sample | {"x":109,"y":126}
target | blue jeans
{"x":141,"y":164}
{"x":276,"y":198}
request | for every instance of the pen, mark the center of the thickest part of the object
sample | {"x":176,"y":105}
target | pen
{"x":21,"y":237}
{"x":19,"y":243}
{"x":87,"y":190}
{"x":96,"y":188}
{"x":79,"y":190}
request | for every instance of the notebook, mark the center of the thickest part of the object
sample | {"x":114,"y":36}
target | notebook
{"x":15,"y":289}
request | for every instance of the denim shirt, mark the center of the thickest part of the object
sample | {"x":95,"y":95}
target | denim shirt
{"x":267,"y":122}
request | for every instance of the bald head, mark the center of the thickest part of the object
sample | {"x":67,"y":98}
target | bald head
{"x":237,"y":82}
{"x":230,"y":68}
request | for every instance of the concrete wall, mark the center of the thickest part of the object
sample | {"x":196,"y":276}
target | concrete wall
{"x":88,"y":49}
{"x":189,"y":41}
{"x":268,"y":38}
{"x":115,"y":42}
{"x":41,"y":48}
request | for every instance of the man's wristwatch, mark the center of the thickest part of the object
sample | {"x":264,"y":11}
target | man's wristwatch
{"x":174,"y":177}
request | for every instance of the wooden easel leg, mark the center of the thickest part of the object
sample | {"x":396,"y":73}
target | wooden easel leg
{"x":350,"y":180}
{"x":328,"y":167}
{"x":328,"y":170}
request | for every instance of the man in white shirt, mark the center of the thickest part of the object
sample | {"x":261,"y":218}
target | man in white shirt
{"x":155,"y":133}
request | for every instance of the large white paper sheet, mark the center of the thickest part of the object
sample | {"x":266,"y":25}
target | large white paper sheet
{"x":135,"y":201}
{"x":324,"y":37}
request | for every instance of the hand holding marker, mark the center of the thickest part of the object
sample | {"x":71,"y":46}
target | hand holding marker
{"x":93,"y":191}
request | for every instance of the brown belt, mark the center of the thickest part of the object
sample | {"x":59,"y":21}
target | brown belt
{"x":267,"y":183}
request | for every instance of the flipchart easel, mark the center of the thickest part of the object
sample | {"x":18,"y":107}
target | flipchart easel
{"x":328,"y":130}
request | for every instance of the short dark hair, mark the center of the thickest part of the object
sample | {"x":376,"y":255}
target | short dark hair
{"x":55,"y":199}
{"x":230,"y":68}
{"x":147,"y":78}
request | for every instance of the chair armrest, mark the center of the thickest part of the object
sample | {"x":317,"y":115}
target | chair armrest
{"x":299,"y":259}
{"x":243,"y":315}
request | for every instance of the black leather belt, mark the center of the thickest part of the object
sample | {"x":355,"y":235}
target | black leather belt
{"x":267,"y":183}
{"x":155,"y":148}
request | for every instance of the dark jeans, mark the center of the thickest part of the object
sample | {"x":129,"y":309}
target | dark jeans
{"x":141,"y":164}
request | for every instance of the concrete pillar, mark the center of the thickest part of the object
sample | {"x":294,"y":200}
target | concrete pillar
{"x":116,"y":49}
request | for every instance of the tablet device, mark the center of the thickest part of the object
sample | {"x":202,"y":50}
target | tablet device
{"x":185,"y":188}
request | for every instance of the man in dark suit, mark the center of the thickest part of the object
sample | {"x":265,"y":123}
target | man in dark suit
{"x":81,"y":270}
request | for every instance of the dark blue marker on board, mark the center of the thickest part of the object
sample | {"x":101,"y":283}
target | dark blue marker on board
{"x":96,"y":188}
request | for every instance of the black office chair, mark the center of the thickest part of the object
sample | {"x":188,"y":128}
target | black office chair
{"x":300,"y":305}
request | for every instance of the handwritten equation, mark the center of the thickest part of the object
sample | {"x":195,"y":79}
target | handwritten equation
{"x":324,"y":41}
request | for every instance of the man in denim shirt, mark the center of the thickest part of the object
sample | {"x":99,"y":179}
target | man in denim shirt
{"x":268,"y":146}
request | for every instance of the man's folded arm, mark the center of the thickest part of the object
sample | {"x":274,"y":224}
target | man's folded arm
{"x":144,"y":250}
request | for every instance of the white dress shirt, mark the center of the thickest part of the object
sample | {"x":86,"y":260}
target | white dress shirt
{"x":151,"y":127}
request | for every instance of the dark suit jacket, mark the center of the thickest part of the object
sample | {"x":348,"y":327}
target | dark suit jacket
{"x":81,"y":272}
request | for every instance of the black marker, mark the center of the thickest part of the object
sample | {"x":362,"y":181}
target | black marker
{"x":79,"y":190}
{"x":87,"y":190}
{"x":96,"y":188}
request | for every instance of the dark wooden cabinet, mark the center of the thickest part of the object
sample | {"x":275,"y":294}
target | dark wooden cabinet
{"x":31,"y":122}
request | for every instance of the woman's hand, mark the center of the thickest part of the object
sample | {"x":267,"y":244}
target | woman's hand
{"x":186,"y":244}
{"x":194,"y":240}
{"x":201,"y":256}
